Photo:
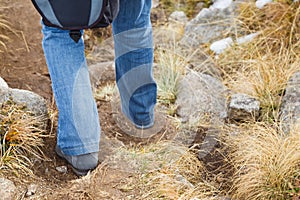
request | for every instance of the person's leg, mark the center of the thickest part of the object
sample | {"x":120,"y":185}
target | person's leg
{"x":78,"y":123}
{"x":132,"y":32}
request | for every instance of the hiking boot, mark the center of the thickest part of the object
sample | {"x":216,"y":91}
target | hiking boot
{"x":81,"y":164}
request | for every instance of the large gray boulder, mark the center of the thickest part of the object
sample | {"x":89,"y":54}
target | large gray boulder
{"x":33,"y":102}
{"x":201,"y":94}
{"x":210,"y":25}
{"x":201,"y":105}
{"x":290,"y":107}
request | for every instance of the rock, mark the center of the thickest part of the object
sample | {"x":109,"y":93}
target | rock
{"x":4,"y":95}
{"x":219,"y":46}
{"x":243,"y":107}
{"x":33,"y":101}
{"x":201,"y":103}
{"x":290,"y":106}
{"x":102,"y":72}
{"x":209,"y":25}
{"x":261,"y":3}
{"x":3,"y":84}
{"x":31,"y":190}
{"x":246,"y":38}
{"x":201,"y":94}
{"x":155,"y":3}
{"x":184,"y":181}
{"x":62,"y":169}
{"x":222,"y":4}
{"x":7,"y":189}
{"x":178,"y":16}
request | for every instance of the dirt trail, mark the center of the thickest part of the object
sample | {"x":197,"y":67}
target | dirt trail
{"x":22,"y":64}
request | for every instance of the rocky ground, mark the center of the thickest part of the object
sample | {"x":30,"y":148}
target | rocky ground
{"x":131,"y":167}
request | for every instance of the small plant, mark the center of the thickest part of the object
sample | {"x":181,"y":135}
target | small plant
{"x":21,"y":135}
{"x":170,"y":70}
{"x":105,"y":93}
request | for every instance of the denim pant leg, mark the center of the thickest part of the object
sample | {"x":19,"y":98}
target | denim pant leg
{"x":132,"y":32}
{"x":78,"y":123}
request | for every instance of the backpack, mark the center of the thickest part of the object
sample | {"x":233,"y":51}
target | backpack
{"x":75,"y":15}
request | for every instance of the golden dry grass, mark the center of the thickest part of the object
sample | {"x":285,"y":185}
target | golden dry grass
{"x":181,"y":180}
{"x":263,"y":67}
{"x":267,"y":162}
{"x":3,"y":37}
{"x":22,"y":136}
{"x":167,"y":171}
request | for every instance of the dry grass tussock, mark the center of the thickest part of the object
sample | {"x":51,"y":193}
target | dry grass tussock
{"x":22,"y":136}
{"x":178,"y":174}
{"x":262,"y":68}
{"x":267,"y":162}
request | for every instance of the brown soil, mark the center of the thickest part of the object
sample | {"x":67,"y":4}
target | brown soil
{"x":23,"y":66}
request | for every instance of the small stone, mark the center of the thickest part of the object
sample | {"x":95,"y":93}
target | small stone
{"x":7,"y":189}
{"x":62,"y":169}
{"x":222,"y":4}
{"x":261,"y":3}
{"x":243,"y":107}
{"x":246,"y":38}
{"x":220,"y":45}
{"x":31,"y":190}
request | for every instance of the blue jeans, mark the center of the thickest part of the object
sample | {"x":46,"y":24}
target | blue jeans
{"x":78,"y":123}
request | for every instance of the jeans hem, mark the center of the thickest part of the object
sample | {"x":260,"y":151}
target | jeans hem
{"x":75,"y":151}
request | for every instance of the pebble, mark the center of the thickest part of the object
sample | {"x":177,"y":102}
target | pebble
{"x":62,"y":169}
{"x":31,"y":190}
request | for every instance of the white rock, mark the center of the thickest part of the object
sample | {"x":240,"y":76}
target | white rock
{"x":4,"y":94}
{"x":222,"y":4}
{"x":261,"y":3}
{"x":219,"y":46}
{"x":246,"y":38}
{"x":3,"y":83}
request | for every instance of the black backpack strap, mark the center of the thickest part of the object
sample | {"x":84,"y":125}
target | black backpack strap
{"x":75,"y":35}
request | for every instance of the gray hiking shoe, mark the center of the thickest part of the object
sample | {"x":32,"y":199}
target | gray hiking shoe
{"x":81,"y":164}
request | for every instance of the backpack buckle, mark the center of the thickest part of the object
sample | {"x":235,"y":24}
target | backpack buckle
{"x":75,"y":35}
